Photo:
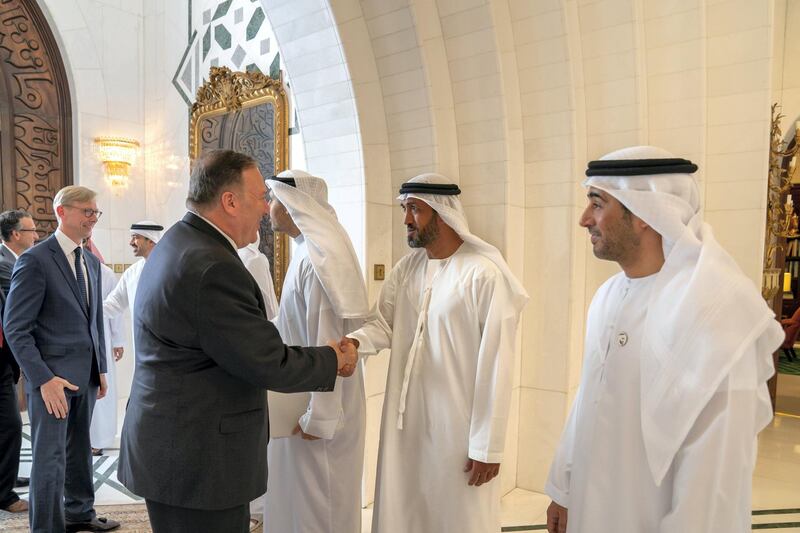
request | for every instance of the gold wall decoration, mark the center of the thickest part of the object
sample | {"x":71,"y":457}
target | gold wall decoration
{"x":781,"y":219}
{"x":117,"y":154}
{"x":246,"y":112}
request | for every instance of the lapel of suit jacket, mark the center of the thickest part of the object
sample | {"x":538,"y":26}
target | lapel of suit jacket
{"x":94,"y":282}
{"x":66,"y":270}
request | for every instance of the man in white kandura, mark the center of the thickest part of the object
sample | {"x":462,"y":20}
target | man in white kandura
{"x":144,"y":237}
{"x":315,"y":473}
{"x":258,"y":265}
{"x":103,"y":429}
{"x":449,"y":312}
{"x":678,"y":350}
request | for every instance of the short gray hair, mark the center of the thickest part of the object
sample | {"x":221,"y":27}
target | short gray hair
{"x":73,"y":193}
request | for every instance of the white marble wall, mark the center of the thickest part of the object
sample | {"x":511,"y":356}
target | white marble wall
{"x":102,"y":47}
{"x":166,"y":132}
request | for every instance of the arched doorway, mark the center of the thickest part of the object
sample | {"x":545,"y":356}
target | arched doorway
{"x":35,"y":114}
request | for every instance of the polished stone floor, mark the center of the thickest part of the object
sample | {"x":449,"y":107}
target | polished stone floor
{"x":776,"y":484}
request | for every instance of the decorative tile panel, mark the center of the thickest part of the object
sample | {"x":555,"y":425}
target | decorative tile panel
{"x":232,"y":33}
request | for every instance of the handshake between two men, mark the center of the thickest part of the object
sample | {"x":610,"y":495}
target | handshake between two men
{"x":346,"y":356}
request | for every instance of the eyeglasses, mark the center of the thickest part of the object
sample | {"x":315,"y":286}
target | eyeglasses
{"x":23,"y":229}
{"x":87,"y":212}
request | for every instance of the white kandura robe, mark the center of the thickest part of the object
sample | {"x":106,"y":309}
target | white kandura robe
{"x":258,"y":266}
{"x":601,"y":473}
{"x":103,"y":428}
{"x":124,"y":296}
{"x":458,"y":398}
{"x":315,"y":486}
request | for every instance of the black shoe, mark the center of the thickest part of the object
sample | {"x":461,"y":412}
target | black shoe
{"x":22,"y":482}
{"x":95,"y":524}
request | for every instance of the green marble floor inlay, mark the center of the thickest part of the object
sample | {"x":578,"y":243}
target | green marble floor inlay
{"x":762,"y":512}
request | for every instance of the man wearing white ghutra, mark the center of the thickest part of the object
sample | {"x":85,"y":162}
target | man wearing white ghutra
{"x":449,"y":312}
{"x":315,"y":469}
{"x":678,"y":350}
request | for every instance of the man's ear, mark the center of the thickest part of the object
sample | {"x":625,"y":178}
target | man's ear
{"x":640,"y":224}
{"x":228,"y":201}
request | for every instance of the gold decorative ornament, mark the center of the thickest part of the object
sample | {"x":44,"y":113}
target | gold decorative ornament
{"x":782,"y":222}
{"x":231,"y":93}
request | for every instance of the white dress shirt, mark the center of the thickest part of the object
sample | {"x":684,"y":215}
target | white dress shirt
{"x":68,"y":247}
{"x":10,"y":250}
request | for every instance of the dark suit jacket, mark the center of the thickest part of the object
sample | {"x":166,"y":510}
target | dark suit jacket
{"x":196,"y":429}
{"x":7,"y":261}
{"x":49,"y":331}
{"x":6,"y":357}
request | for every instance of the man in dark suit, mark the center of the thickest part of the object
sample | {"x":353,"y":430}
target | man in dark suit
{"x":53,"y":322}
{"x":10,"y":428}
{"x":18,"y":232}
{"x":194,"y":441}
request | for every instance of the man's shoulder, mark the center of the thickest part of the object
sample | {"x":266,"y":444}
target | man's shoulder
{"x":185,"y":250}
{"x":476,"y":263}
{"x":40,"y":251}
{"x":411,"y":260}
{"x":6,"y":255}
{"x":134,"y":270}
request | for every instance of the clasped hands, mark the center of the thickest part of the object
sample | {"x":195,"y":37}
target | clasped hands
{"x":346,"y":356}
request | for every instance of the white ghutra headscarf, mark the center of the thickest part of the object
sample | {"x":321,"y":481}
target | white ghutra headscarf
{"x":449,"y":207}
{"x":329,"y":247}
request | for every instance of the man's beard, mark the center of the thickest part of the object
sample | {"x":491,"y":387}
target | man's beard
{"x":426,"y":235}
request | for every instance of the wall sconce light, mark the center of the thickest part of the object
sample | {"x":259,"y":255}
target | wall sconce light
{"x":117,"y":155}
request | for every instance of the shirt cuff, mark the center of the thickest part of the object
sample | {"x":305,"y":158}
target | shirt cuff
{"x":324,"y":429}
{"x":365,"y":346}
{"x":484,"y":456}
{"x":557,"y":495}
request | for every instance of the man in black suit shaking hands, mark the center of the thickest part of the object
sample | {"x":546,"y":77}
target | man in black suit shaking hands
{"x":194,"y":441}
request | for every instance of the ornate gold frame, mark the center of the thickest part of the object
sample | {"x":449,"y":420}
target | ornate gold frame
{"x":227,"y":92}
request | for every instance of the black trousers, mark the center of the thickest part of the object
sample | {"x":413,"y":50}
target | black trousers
{"x":10,"y":437}
{"x":171,"y":519}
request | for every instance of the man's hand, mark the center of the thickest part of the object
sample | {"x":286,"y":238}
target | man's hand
{"x":101,"y":392}
{"x":481,"y":473}
{"x":306,"y":436}
{"x":346,"y":358}
{"x":344,"y":341}
{"x":556,"y":518}
{"x":118,"y":351}
{"x":54,"y":398}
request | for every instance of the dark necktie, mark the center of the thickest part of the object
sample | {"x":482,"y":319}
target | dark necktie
{"x":80,"y":277}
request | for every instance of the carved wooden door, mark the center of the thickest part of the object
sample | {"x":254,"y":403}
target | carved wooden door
{"x":35,"y":114}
